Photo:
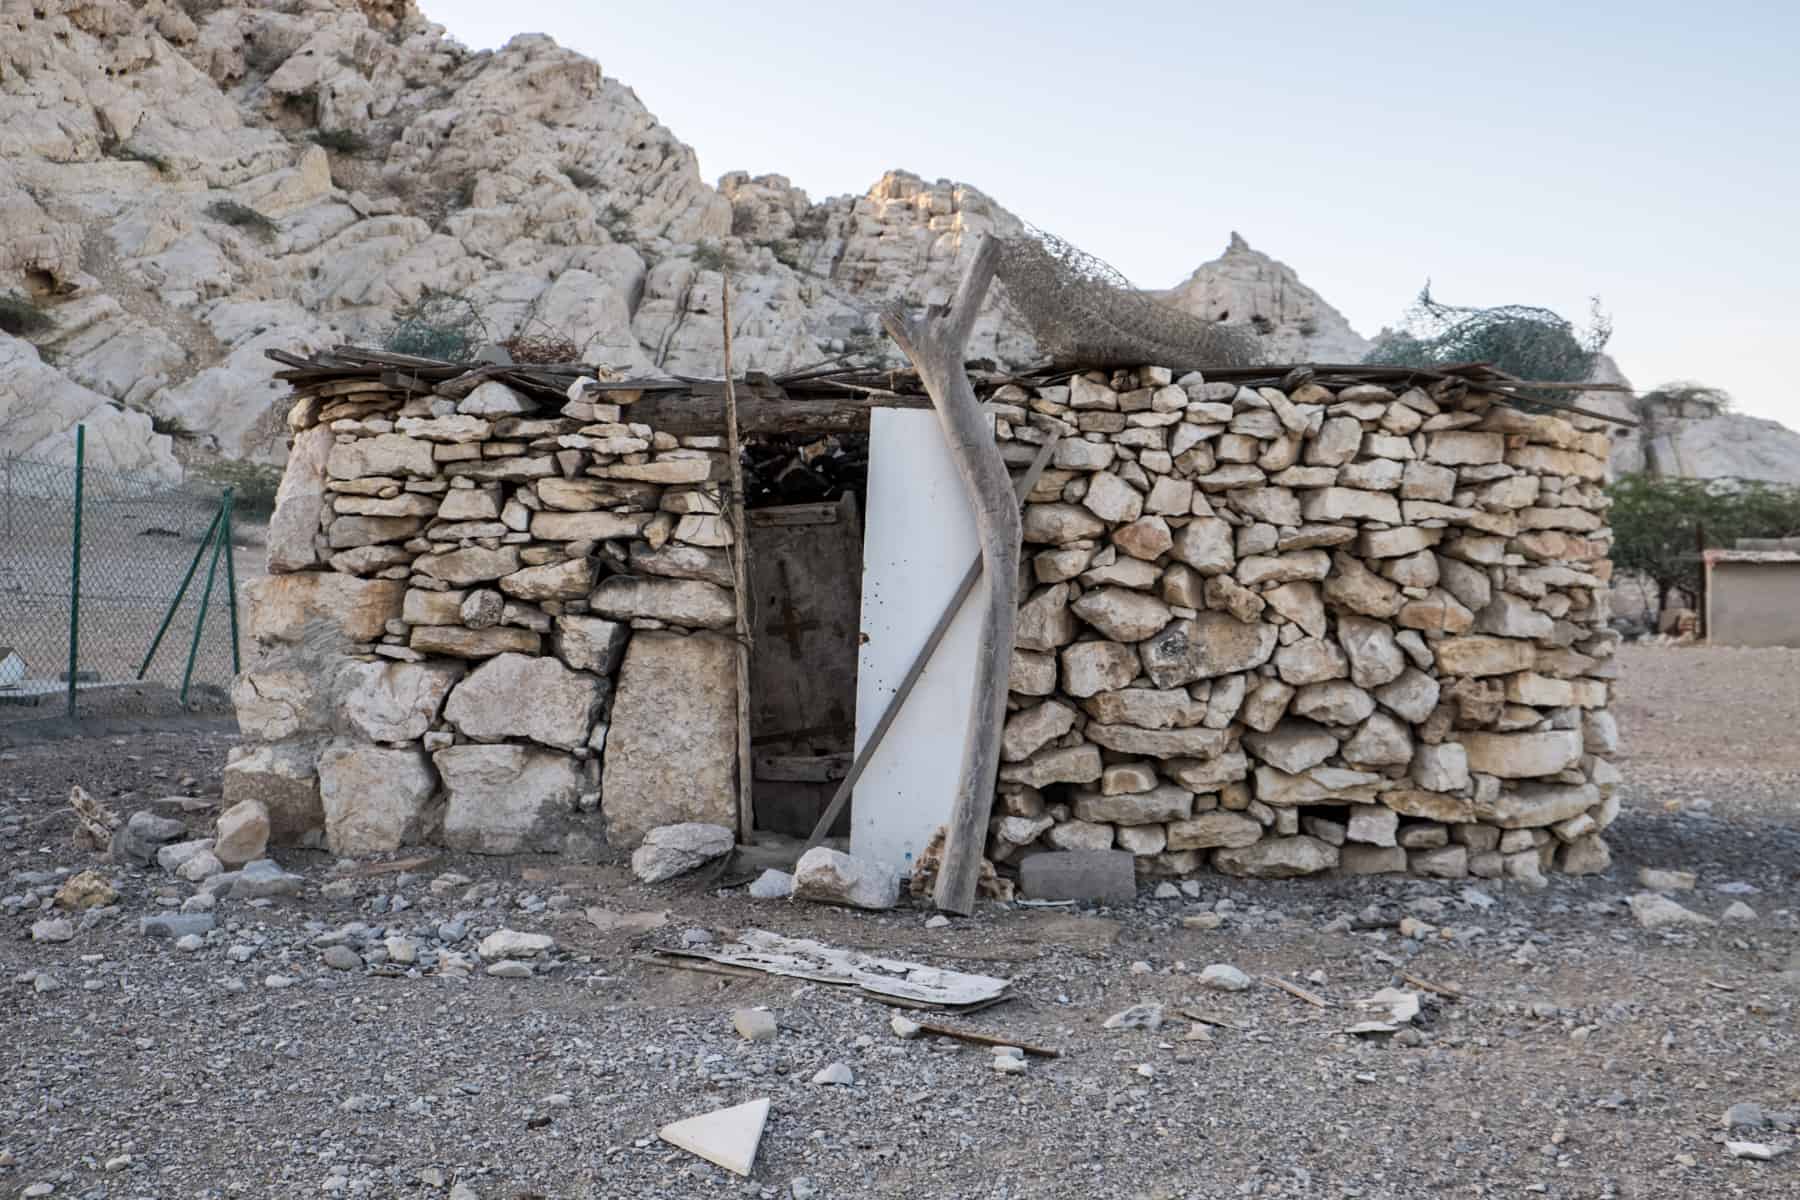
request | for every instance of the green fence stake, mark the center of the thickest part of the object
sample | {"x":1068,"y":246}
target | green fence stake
{"x":75,"y":568}
{"x":212,"y":569}
{"x":231,"y":581}
{"x":180,"y":593}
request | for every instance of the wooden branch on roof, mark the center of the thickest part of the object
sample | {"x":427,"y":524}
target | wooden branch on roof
{"x":824,"y":400}
{"x":702,"y":411}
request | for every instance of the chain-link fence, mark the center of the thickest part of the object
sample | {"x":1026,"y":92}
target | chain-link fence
{"x":114,"y":587}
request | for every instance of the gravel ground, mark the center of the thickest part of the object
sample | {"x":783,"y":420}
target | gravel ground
{"x":1589,"y":1057}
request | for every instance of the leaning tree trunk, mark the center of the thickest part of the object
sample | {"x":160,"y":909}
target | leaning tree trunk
{"x":936,"y":343}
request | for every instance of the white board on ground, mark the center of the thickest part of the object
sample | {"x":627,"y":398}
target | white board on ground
{"x":918,"y":541}
{"x":727,"y":1137}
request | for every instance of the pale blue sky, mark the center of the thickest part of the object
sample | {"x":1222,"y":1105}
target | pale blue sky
{"x":1528,"y":152}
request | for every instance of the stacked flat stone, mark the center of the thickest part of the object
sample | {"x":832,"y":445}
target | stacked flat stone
{"x":482,"y":614}
{"x":1282,"y":632}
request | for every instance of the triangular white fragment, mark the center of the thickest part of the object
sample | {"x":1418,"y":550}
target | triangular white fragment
{"x":728,"y":1137}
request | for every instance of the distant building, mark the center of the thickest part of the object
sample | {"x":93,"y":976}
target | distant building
{"x":1753,"y":594}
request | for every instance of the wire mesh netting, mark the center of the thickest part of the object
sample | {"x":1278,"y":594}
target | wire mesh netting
{"x":1524,"y":341}
{"x":1084,"y":313}
{"x":138,"y":538}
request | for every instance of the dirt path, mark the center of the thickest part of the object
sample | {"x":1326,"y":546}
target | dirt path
{"x":1590,"y":1058}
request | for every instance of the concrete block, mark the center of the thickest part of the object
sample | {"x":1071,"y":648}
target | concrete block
{"x":1101,"y":876}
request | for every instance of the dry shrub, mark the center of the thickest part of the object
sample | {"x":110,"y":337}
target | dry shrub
{"x":541,"y":348}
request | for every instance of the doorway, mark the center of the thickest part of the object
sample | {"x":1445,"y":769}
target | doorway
{"x":804,"y":500}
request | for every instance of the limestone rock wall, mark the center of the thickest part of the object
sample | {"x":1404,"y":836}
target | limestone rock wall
{"x":1281,"y":632}
{"x":489,"y":623}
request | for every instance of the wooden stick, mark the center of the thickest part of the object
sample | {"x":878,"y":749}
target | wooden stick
{"x":937,"y":345}
{"x":1299,"y":993}
{"x":1434,"y":988}
{"x":1206,"y":1018}
{"x":986,"y":1039}
{"x":696,"y":411}
{"x":363,"y":870}
{"x":1512,"y":399}
{"x":895,"y":702}
{"x":740,"y":589}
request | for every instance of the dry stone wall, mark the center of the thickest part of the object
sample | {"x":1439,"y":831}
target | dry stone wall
{"x":482,"y":615}
{"x":1279,"y":632}
{"x":1271,"y":632}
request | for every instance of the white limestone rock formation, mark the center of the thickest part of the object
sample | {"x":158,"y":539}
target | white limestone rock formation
{"x":1692,"y":440}
{"x":40,"y":407}
{"x":1246,"y":287}
{"x":371,"y":160}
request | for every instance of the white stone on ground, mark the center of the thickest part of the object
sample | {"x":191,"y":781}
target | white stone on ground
{"x":833,"y":877}
{"x":1223,"y":977}
{"x":510,"y":943}
{"x":671,"y":850}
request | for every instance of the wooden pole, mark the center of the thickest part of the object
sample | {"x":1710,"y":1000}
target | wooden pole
{"x":936,"y":344}
{"x":740,"y":589}
{"x":1700,"y":601}
{"x":920,"y":661}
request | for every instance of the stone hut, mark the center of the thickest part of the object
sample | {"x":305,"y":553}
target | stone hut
{"x":1274,"y":622}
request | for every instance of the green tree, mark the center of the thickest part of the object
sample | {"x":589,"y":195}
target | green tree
{"x":1658,"y":524}
{"x":1688,"y":398}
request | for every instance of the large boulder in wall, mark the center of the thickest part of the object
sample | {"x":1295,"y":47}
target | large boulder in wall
{"x":284,"y":778}
{"x":671,"y":754}
{"x":321,"y":610}
{"x":507,"y":799}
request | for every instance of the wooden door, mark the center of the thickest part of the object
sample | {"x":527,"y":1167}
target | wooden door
{"x":805,"y":584}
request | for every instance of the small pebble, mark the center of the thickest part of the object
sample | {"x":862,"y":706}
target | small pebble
{"x":754,"y":1024}
{"x":53,"y":930}
{"x":837,"y":1074}
{"x":342,"y":958}
{"x":1223,"y":977}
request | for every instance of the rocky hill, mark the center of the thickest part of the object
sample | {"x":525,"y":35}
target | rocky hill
{"x":184,"y":185}
{"x":1246,"y":287}
{"x":191,"y":184}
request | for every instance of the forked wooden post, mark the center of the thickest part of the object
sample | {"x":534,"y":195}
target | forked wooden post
{"x":936,"y":344}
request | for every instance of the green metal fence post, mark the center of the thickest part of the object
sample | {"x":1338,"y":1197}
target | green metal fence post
{"x":231,"y":581}
{"x":75,"y":568}
{"x":212,"y":569}
{"x":180,"y":593}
